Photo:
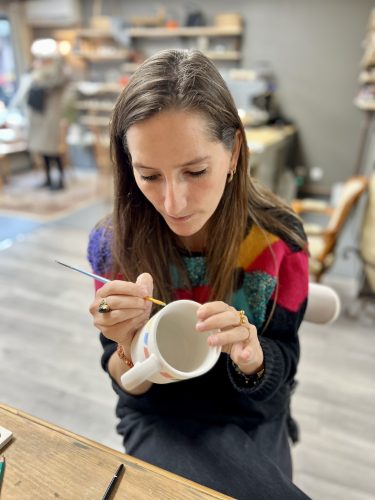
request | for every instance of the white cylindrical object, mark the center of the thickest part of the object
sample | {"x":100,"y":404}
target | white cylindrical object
{"x":323,"y":305}
{"x":168,"y":348}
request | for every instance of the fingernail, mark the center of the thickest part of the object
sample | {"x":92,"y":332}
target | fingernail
{"x":199,"y":325}
{"x":144,"y":291}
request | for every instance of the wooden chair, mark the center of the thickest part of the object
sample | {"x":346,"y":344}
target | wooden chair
{"x":323,"y":240}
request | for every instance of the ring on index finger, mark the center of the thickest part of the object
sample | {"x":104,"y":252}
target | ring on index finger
{"x":104,"y":307}
{"x":244,"y":322}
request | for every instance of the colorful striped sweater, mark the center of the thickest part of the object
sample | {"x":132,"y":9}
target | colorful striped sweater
{"x":271,"y":272}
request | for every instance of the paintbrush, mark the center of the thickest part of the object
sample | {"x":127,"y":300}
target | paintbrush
{"x":105,"y":280}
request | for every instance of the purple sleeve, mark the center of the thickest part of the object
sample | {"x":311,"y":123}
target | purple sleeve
{"x":99,"y":249}
{"x":99,"y":256}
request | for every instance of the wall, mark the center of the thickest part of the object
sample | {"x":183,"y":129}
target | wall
{"x":315,"y":49}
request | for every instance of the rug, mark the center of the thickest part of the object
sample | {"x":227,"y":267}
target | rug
{"x":22,"y":195}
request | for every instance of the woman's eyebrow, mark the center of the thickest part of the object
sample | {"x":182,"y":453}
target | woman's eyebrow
{"x":195,"y":161}
{"x":200,"y":159}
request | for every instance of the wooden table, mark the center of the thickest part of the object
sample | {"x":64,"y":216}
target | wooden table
{"x":45,"y":461}
{"x":7,"y":149}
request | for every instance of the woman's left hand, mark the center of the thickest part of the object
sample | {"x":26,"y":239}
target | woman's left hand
{"x":236,"y":336}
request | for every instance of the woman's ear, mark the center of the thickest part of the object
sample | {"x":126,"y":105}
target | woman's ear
{"x":236,"y":149}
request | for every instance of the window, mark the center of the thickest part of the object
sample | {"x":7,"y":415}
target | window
{"x":8,"y":79}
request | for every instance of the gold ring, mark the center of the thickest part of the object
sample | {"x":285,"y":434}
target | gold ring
{"x":243,"y":319}
{"x":104,"y":307}
{"x":244,"y":322}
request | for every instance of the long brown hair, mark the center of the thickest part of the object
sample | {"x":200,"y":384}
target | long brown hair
{"x":184,"y":80}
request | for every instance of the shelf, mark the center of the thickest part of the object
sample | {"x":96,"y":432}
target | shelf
{"x":366,"y":80}
{"x":94,"y":33}
{"x":217,"y":55}
{"x":94,"y":121}
{"x":224,"y":55}
{"x":118,"y":55}
{"x":90,"y":89}
{"x":187,"y":31}
{"x":106,"y":106}
{"x":129,"y":67}
{"x":365,"y":104}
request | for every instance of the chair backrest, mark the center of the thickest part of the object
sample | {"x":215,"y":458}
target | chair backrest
{"x":352,"y":189}
{"x":368,"y":236}
{"x":323,"y":304}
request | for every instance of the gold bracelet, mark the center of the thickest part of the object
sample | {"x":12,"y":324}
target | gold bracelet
{"x":121,"y":354}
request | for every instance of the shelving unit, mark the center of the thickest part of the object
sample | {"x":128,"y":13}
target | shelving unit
{"x":107,"y":56}
{"x":95,"y":108}
{"x":204,"y":36}
{"x":365,"y":99}
{"x":100,"y":45}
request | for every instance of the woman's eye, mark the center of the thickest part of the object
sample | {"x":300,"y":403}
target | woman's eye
{"x":199,"y":173}
{"x":149,"y":178}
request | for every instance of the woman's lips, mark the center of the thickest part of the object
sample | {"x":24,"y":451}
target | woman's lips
{"x":179,"y":219}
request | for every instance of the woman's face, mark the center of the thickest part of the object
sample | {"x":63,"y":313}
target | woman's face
{"x":181,"y":170}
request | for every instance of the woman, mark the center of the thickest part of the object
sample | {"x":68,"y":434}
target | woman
{"x":49,"y":80}
{"x":43,"y":90}
{"x":188,"y":222}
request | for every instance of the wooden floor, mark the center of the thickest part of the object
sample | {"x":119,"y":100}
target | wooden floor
{"x":49,"y":363}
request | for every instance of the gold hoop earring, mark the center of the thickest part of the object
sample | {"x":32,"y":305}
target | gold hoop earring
{"x":231,"y":175}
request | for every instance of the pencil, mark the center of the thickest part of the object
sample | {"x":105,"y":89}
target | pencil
{"x":2,"y":469}
{"x":113,"y":482}
{"x":106,"y":280}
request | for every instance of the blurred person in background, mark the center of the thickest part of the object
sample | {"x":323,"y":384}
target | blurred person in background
{"x":42,"y":89}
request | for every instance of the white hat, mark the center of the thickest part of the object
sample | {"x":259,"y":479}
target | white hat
{"x":45,"y":48}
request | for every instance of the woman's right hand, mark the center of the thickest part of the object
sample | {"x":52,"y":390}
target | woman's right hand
{"x":129,"y":311}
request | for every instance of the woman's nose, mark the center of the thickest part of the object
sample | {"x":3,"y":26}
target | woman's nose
{"x":175,"y":201}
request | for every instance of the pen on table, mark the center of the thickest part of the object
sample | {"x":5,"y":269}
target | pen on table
{"x":105,"y":280}
{"x":113,"y":482}
{"x":2,"y":469}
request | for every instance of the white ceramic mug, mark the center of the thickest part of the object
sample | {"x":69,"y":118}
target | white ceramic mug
{"x":169,"y":348}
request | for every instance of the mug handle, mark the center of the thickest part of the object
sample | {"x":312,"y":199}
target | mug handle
{"x":140,"y":372}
